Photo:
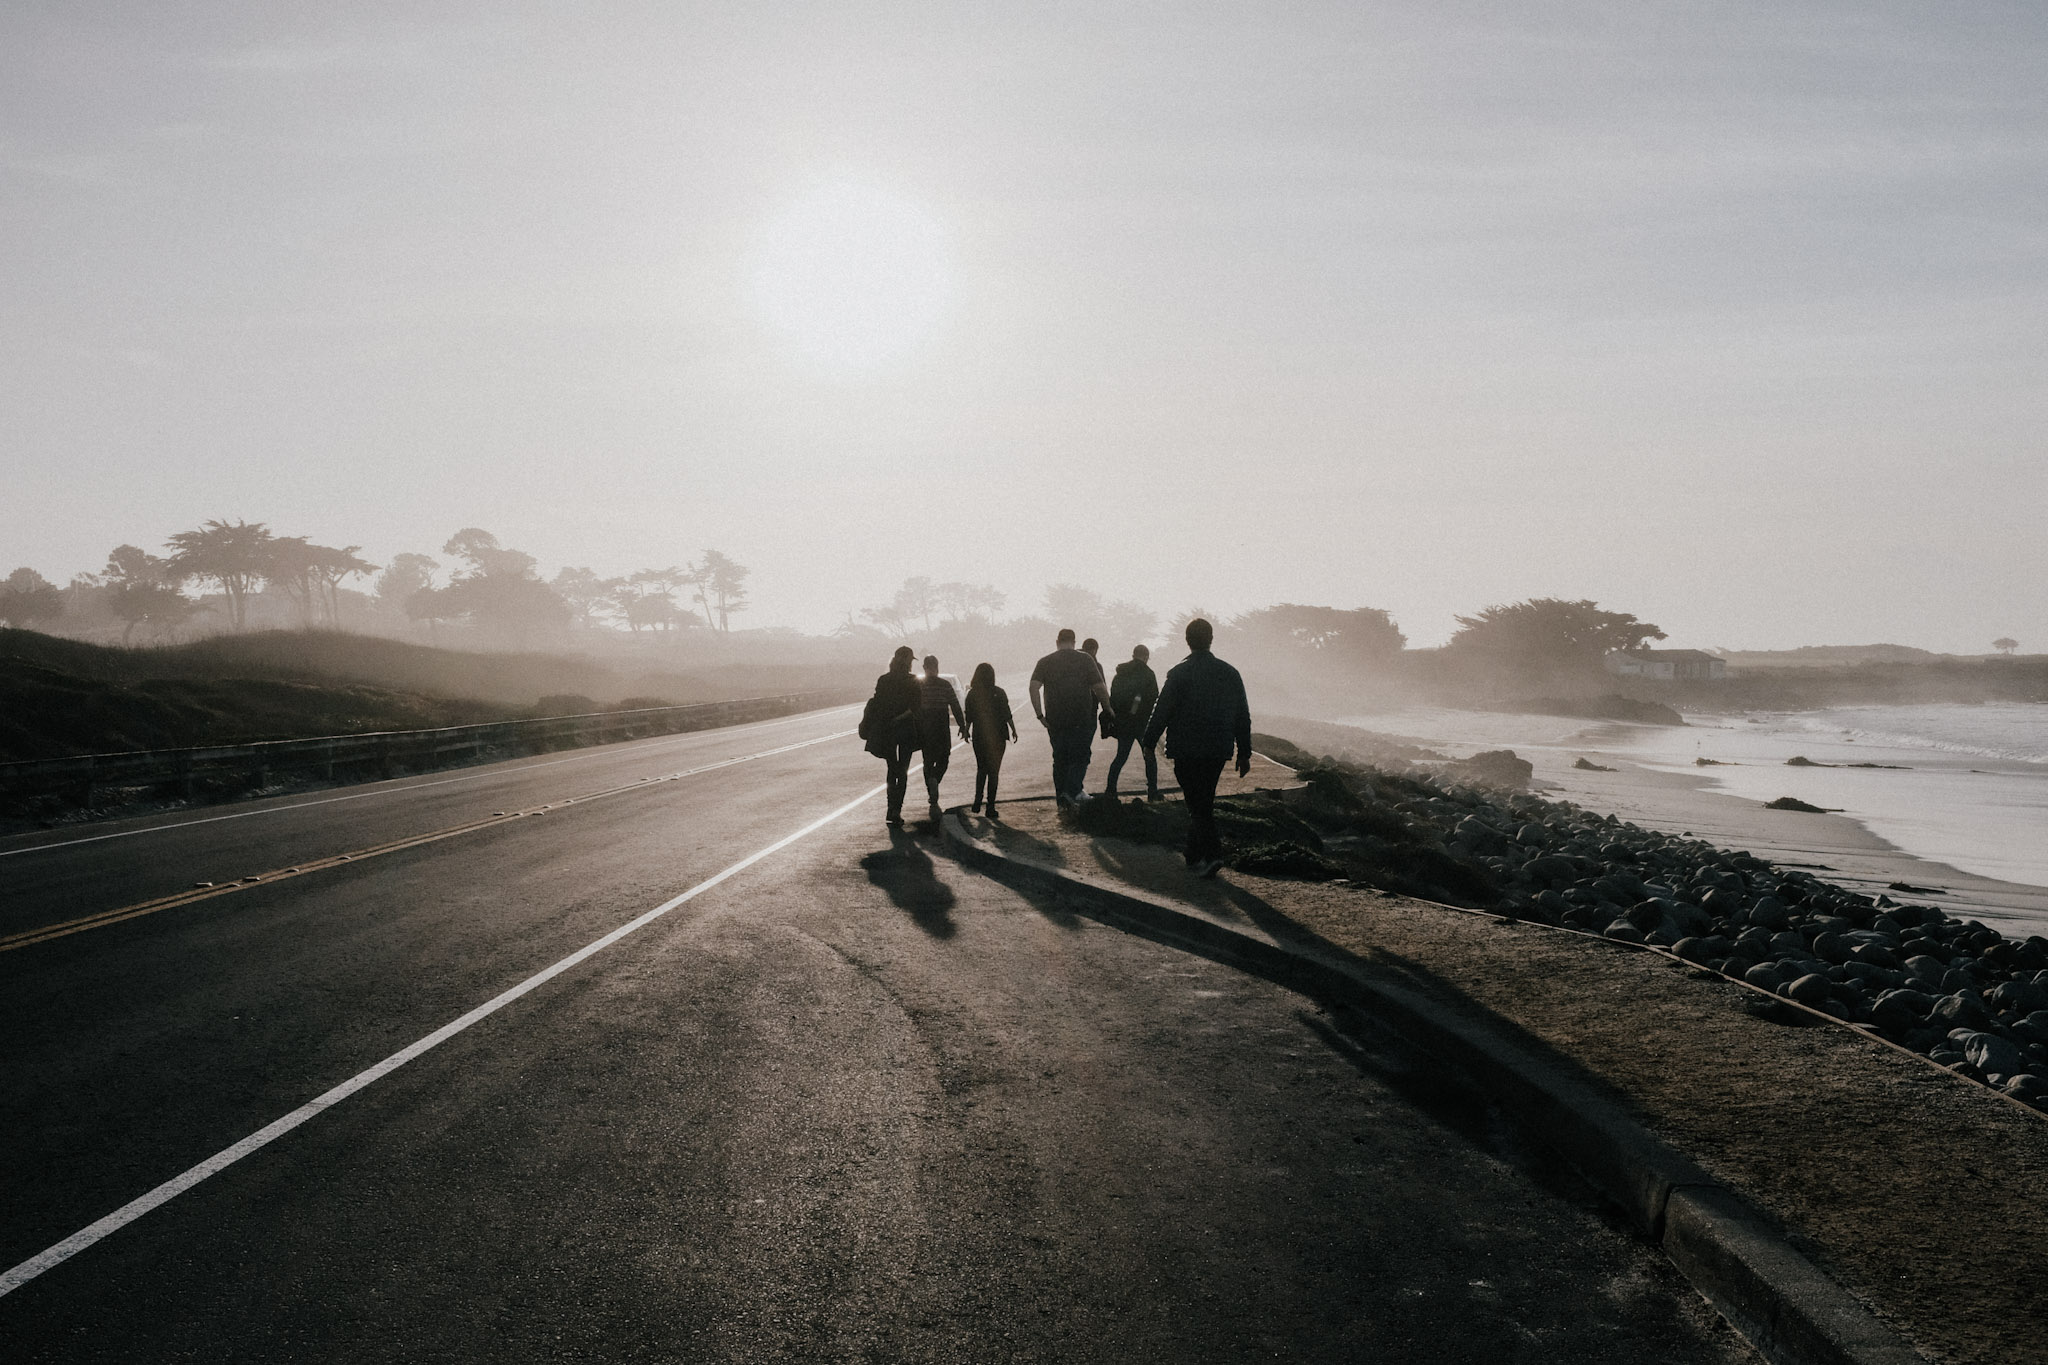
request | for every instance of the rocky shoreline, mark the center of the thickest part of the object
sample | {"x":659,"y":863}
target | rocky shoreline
{"x":1957,"y":991}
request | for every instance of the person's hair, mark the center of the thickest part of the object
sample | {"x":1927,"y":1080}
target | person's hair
{"x":984,"y":677}
{"x":931,"y":663}
{"x":1064,"y":637}
{"x":899,"y":662}
{"x":1200,"y":634}
{"x":1140,"y":653}
{"x":1090,"y":645}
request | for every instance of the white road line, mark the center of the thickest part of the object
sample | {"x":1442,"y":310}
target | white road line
{"x":78,"y":1241}
{"x":595,"y":751}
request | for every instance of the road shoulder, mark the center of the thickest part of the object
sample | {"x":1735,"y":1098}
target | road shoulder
{"x":1907,"y":1186}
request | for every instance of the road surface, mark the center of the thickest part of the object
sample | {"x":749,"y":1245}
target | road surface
{"x":846,"y":1101}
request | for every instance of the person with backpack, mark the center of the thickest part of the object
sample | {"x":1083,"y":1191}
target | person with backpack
{"x":1132,"y":695}
{"x":1203,"y":714}
{"x":889,"y":726}
{"x":991,"y":729}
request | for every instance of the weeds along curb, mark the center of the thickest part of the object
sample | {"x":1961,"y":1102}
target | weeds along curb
{"x":1790,"y":1311}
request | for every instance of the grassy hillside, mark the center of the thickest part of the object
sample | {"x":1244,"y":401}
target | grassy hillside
{"x":60,"y":696}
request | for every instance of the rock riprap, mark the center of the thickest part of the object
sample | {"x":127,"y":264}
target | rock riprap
{"x":1956,"y":990}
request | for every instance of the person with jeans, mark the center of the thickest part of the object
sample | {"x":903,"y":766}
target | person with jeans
{"x":937,"y":705}
{"x":1066,"y":687}
{"x":889,"y":726}
{"x":1203,"y":714}
{"x":1131,"y":698}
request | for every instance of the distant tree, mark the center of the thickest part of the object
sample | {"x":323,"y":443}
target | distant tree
{"x":139,"y":592}
{"x":1546,"y":640}
{"x":722,"y":587}
{"x":917,"y":599}
{"x":26,"y":597}
{"x":966,"y":601}
{"x":234,"y":557}
{"x":889,"y":620}
{"x":486,"y":557}
{"x":404,"y":576}
{"x":500,"y":591}
{"x":649,"y":598}
{"x":327,"y":567}
{"x":310,"y":575}
{"x":1089,"y":613}
{"x":1068,"y":605}
{"x":1358,"y":638}
{"x":983,"y":600}
{"x":2005,"y":644}
{"x":585,"y":592}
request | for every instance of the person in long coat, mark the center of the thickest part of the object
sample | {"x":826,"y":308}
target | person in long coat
{"x":889,"y":726}
{"x":990,"y":728}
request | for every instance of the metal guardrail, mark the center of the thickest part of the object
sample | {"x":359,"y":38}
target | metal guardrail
{"x":386,"y":753}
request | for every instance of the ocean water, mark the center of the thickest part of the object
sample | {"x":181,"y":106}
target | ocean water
{"x":1962,"y":785}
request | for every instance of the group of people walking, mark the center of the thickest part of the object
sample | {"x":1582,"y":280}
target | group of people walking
{"x":1201,"y":712}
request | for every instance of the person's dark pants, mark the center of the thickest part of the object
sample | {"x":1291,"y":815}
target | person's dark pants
{"x":1123,"y":754}
{"x":1198,"y":778}
{"x":899,"y":776}
{"x":937,"y":758}
{"x":1070,"y":746}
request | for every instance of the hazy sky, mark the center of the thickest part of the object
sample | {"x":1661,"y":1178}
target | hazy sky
{"x":1733,"y":316}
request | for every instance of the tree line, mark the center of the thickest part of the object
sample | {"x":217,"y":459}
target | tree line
{"x":489,"y":586}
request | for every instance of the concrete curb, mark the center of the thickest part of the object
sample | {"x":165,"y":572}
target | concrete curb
{"x":1786,"y":1308}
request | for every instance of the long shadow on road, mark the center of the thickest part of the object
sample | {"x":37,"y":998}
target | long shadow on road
{"x":906,"y":873}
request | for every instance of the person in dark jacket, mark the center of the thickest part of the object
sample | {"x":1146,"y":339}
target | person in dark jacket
{"x":1203,"y":714}
{"x":938,"y":705}
{"x":1131,"y":697}
{"x":990,"y":728}
{"x":889,"y":726}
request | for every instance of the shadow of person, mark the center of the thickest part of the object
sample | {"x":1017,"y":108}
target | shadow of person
{"x":906,"y":873}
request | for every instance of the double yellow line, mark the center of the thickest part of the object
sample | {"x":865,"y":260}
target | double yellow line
{"x":208,"y":890}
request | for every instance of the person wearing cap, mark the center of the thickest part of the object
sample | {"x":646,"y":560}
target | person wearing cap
{"x":1204,"y":716}
{"x":1066,"y":687}
{"x":889,"y":725}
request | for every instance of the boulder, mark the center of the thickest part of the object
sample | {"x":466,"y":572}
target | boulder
{"x":1988,"y":1052}
{"x":1961,"y":1010}
{"x":1769,"y":912}
{"x":1812,"y":990}
{"x":1765,"y":976}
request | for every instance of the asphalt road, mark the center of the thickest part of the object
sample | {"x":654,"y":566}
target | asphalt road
{"x":852,"y":1102}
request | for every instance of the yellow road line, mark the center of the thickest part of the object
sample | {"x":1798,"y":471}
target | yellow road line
{"x":43,"y":934}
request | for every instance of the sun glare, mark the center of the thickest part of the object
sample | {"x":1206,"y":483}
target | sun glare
{"x":855,"y":276}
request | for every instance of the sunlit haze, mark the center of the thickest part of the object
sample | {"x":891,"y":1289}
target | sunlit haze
{"x":1730,"y":317}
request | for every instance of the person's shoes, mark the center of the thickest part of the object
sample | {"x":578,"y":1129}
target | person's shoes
{"x":1064,"y":801}
{"x":1155,"y":795}
{"x":937,"y":814}
{"x":993,"y":817}
{"x":976,"y":808}
{"x":1208,"y":867}
{"x":894,"y":821}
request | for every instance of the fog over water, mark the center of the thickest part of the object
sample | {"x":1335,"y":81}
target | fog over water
{"x":1730,"y":317}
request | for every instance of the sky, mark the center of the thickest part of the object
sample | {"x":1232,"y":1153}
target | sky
{"x":1733,"y":316}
